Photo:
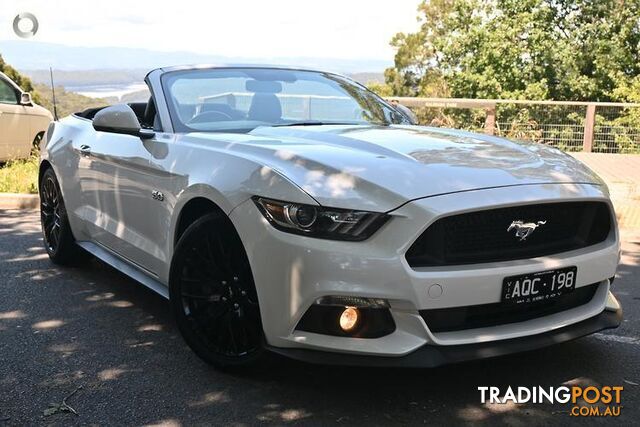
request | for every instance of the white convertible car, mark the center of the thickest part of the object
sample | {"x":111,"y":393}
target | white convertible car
{"x":295,"y":211}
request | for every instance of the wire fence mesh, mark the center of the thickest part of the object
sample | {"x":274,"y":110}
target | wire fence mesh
{"x":613,"y":128}
{"x":617,"y":130}
{"x":561,"y":126}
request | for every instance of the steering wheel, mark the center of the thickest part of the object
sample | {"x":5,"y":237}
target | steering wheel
{"x":209,"y":116}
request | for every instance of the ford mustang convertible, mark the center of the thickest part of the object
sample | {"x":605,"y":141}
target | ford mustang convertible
{"x":294,"y":211}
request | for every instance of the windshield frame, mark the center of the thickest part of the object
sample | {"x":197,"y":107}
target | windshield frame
{"x":397,"y":117}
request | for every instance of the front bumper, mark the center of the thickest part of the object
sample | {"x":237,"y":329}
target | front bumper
{"x":292,"y":271}
{"x":431,"y":356}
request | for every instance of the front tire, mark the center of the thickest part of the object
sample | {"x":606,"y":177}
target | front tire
{"x":56,"y":230}
{"x":213,"y":297}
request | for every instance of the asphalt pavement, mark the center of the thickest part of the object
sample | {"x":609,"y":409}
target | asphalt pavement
{"x":109,"y":346}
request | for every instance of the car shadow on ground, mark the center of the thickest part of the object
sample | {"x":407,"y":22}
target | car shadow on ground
{"x":91,"y":326}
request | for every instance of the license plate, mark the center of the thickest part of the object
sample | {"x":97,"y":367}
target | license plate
{"x":540,"y":286}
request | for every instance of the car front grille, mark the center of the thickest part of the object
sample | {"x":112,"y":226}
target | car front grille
{"x":482,"y":236}
{"x":485,"y":315}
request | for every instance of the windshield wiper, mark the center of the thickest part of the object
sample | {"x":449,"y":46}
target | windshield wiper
{"x":313,"y":123}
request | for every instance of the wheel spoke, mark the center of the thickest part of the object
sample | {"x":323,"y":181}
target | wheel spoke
{"x":194,"y":274}
{"x":201,"y":297}
{"x":221,"y":312}
{"x":221,"y":336}
{"x":202,"y":265}
{"x":51,"y":210}
{"x":49,"y":190}
{"x":226,"y":259}
{"x":232,"y":336}
{"x":48,"y":226}
{"x":242,"y":327}
{"x":192,"y":279}
{"x":197,"y":311}
{"x":53,"y":237}
{"x":218,"y":254}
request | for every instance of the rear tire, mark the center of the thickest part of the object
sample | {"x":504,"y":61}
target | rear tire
{"x":213,"y":297}
{"x":56,"y":230}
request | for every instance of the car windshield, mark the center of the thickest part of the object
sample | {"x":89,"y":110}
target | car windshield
{"x":241,"y":99}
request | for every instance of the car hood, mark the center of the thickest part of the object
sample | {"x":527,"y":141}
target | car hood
{"x":381,"y":167}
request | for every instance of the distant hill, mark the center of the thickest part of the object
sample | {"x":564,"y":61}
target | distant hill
{"x":77,"y":78}
{"x":32,"y":55}
{"x":68,"y":102}
{"x":113,"y":67}
{"x":366,"y":78}
{"x":87,"y":77}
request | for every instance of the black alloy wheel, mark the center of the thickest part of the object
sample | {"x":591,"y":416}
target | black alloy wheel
{"x":56,"y":231}
{"x":213,"y":296}
{"x":50,"y":213}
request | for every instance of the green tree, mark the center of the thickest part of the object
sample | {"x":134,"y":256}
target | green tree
{"x":68,"y":102}
{"x":533,"y":49}
{"x":19,"y":79}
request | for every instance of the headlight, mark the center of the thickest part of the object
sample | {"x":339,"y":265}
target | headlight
{"x":320,"y":222}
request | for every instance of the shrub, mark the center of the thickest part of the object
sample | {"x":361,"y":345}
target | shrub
{"x":19,"y":176}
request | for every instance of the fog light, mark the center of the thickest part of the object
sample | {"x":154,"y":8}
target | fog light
{"x":349,"y":319}
{"x":348,"y":316}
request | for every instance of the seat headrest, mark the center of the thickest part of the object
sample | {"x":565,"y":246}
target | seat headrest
{"x":265,"y":107}
{"x":150,"y":113}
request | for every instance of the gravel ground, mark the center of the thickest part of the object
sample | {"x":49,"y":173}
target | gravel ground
{"x":93,"y":328}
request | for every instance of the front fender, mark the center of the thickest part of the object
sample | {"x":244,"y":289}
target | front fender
{"x":263,"y":182}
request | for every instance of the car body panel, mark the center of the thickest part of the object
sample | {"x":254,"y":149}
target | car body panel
{"x":311,"y":268}
{"x":109,"y":191}
{"x":237,"y":179}
{"x":19,"y":124}
{"x":117,"y":210}
{"x":379,"y":168}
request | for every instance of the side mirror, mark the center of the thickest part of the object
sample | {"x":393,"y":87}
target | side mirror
{"x":25,"y":99}
{"x":120,"y":118}
{"x":406,"y":111}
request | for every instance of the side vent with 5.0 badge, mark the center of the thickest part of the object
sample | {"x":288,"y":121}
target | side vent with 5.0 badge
{"x":157,"y":195}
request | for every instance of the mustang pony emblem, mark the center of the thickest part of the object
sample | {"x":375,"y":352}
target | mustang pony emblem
{"x":524,"y":229}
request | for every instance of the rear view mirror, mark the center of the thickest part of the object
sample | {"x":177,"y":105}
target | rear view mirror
{"x":25,"y":99}
{"x":260,"y":86}
{"x":121,"y":119}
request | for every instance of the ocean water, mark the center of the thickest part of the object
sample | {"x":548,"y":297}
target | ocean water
{"x":107,"y":91}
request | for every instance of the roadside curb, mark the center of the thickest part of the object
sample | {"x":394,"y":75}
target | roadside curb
{"x":19,"y":201}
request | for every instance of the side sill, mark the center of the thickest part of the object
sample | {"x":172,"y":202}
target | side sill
{"x":124,"y":267}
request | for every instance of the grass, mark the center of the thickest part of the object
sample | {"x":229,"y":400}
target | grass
{"x":19,"y":176}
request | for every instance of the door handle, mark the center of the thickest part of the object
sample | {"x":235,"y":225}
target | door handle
{"x":85,"y":151}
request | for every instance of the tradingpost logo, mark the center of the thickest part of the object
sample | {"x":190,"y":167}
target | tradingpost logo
{"x":586,"y":401}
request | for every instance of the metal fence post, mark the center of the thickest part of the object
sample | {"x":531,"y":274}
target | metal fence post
{"x":490,"y":120}
{"x":589,"y":124}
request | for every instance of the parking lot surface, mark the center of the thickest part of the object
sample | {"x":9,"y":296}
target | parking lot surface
{"x":92,"y":330}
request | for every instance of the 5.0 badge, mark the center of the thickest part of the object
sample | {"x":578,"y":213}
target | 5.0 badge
{"x":157,"y":195}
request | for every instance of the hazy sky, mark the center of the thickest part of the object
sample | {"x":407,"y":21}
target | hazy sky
{"x":320,"y":28}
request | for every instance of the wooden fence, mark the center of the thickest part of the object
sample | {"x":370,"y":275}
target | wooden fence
{"x":490,"y":106}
